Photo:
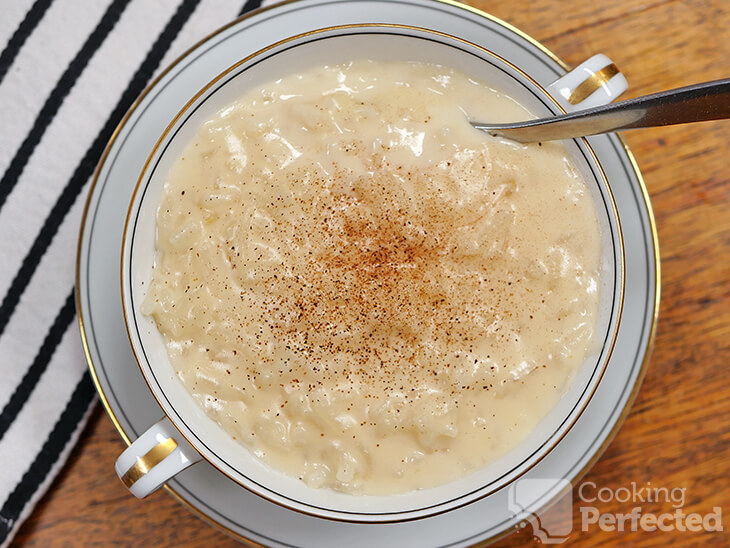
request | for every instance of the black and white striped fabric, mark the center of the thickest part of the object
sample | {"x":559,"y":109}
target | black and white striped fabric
{"x":69,"y":70}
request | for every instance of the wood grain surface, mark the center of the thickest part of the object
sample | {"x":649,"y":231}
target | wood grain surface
{"x":678,"y":432}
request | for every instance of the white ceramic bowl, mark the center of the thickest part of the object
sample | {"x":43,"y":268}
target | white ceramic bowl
{"x":194,"y":433}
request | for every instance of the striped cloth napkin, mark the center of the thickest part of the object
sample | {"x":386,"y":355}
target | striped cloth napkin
{"x":69,"y":70}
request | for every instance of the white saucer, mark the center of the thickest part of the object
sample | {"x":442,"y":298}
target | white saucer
{"x":124,"y":392}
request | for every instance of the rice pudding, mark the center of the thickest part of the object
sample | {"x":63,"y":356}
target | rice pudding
{"x":363,"y":290}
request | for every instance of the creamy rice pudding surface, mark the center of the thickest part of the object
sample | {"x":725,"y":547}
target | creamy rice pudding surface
{"x":363,"y":290}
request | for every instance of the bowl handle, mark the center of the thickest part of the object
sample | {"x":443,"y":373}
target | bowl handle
{"x":153,"y":458}
{"x":595,"y":82}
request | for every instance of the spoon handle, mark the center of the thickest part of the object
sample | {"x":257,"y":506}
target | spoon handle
{"x":697,"y":103}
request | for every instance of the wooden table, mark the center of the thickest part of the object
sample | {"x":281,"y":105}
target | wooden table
{"x":678,"y":432}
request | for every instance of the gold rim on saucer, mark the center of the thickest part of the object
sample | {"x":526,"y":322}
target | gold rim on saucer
{"x":543,"y":49}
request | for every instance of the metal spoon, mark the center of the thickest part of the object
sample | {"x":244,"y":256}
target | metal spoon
{"x":697,"y":103}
